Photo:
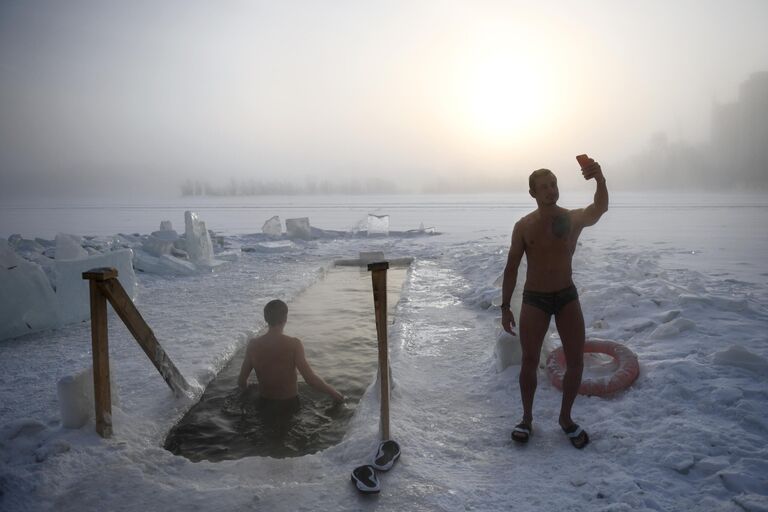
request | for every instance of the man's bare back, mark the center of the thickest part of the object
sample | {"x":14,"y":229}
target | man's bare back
{"x":275,"y":358}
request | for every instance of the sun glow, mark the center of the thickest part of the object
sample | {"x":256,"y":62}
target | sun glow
{"x":507,"y":83}
{"x":504,"y":96}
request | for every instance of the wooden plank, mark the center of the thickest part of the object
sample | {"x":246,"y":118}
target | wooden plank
{"x":129,"y":314}
{"x":100,"y":274}
{"x":100,"y":348}
{"x":379,"y":281}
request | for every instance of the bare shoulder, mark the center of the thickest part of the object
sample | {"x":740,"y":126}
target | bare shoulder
{"x":525,"y":222}
{"x":294,"y":342}
{"x":254,"y":343}
{"x":574,"y":212}
{"x":257,"y":340}
{"x":577,"y":216}
{"x":527,"y":219}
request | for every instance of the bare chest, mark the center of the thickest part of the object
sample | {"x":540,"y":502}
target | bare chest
{"x":550,"y":235}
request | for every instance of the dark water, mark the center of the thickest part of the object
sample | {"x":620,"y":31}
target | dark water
{"x":335,"y":320}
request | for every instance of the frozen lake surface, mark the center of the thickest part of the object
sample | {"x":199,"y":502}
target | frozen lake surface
{"x":681,"y":280}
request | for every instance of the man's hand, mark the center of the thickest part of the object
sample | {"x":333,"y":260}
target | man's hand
{"x":508,"y":321}
{"x":592,"y":170}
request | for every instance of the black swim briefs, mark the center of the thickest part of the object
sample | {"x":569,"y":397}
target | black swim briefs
{"x":550,"y":302}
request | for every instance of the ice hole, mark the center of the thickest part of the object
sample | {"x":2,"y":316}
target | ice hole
{"x":334,"y":318}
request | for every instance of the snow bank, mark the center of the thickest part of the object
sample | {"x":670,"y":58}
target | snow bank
{"x":740,"y":357}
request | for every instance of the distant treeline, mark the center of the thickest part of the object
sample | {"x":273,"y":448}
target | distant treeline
{"x":257,"y":187}
{"x":735,"y":156}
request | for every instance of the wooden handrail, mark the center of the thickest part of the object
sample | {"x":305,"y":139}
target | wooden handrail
{"x":379,"y":280}
{"x":104,"y":286}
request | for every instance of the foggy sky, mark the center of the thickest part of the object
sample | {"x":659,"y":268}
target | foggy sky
{"x":101,"y":94}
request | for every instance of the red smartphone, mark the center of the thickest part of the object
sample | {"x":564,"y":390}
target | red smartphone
{"x":583,"y":160}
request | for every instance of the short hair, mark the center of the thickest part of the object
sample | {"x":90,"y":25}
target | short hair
{"x":276,"y":312}
{"x":536,"y":174}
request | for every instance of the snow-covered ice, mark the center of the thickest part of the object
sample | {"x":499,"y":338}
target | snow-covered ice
{"x":690,"y":434}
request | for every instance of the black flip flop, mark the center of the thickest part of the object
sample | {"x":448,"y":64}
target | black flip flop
{"x":577,"y":435}
{"x":386,"y":455}
{"x":365,"y":479}
{"x":522,"y":432}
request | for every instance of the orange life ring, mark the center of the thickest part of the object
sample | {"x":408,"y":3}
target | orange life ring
{"x":627,"y":371}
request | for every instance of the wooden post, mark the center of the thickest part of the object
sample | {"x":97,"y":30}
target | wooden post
{"x":129,"y":314}
{"x":379,"y":279}
{"x":102,"y":393}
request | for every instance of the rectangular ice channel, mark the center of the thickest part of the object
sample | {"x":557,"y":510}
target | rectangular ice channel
{"x":334,"y":318}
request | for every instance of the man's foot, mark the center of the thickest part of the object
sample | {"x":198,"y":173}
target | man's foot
{"x":577,"y":435}
{"x":522,"y":432}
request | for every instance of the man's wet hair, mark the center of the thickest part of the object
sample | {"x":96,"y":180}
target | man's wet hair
{"x":276,"y":312}
{"x":536,"y":174}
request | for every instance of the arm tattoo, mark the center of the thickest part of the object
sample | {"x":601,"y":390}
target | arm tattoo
{"x":561,"y":225}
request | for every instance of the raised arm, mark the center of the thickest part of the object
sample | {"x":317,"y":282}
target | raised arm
{"x":245,"y":369}
{"x":592,"y":213}
{"x":310,"y":377}
{"x":516,"y":250}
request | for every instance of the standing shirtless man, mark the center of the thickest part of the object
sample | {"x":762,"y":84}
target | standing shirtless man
{"x":547,"y":237}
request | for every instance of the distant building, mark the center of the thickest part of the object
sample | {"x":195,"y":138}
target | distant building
{"x":740,"y":133}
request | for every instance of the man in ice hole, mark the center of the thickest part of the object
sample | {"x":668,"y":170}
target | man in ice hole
{"x":547,"y":237}
{"x":275,"y":358}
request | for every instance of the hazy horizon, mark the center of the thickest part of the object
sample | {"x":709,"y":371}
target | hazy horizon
{"x":137,"y":96}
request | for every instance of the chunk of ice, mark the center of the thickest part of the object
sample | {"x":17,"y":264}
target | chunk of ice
{"x":272,"y":226}
{"x":199,"y":246}
{"x":508,"y":350}
{"x":69,"y":247}
{"x":72,"y":290}
{"x":298,"y":228}
{"x":160,"y":242}
{"x":8,"y":258}
{"x":167,"y":264}
{"x":75,"y":394}
{"x":378,"y":224}
{"x":27,"y":300}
